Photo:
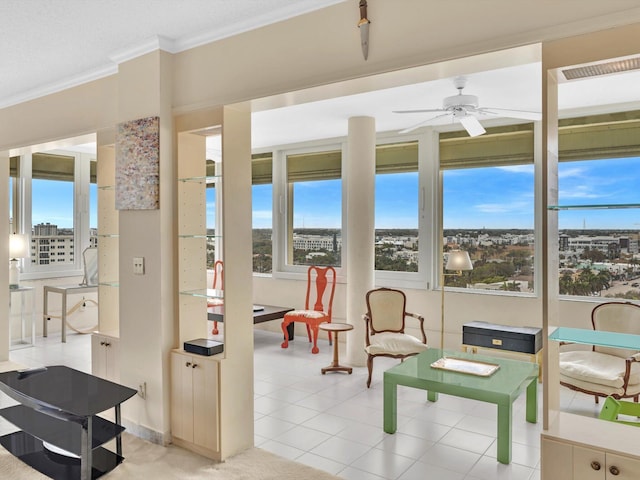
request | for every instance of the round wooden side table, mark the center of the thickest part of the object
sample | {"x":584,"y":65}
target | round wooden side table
{"x":336,"y":328}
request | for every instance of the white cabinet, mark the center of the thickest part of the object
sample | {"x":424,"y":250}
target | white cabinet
{"x":105,"y":362}
{"x":593,"y":450}
{"x":194,"y":402}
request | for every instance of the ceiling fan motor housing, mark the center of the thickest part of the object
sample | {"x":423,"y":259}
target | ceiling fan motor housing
{"x":457,"y":102}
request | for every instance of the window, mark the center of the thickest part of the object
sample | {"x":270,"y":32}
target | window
{"x":314,"y":208}
{"x":396,"y":207}
{"x":262,"y":212}
{"x":598,"y":248}
{"x":488,"y":206}
{"x":54,"y":199}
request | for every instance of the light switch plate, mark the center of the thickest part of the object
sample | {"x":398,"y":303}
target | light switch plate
{"x":138,"y":265}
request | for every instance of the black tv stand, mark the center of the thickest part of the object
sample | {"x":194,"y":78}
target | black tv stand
{"x":61,"y":435}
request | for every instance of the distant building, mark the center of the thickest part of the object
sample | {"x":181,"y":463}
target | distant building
{"x":331,"y":243}
{"x":53,"y":245}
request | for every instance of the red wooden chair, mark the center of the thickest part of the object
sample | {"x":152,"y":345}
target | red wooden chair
{"x":218,"y":283}
{"x":320,"y":310}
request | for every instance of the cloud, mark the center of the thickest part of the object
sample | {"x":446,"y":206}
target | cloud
{"x":262,"y":214}
{"x":527,"y":169}
{"x":571,"y":172}
{"x":506,"y":207}
{"x":580,"y":191}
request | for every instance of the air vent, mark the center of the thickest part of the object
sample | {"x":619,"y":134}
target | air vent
{"x":616,"y":66}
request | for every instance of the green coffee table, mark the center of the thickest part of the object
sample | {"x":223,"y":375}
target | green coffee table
{"x":502,"y":388}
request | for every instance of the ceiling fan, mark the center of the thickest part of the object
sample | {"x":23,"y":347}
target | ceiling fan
{"x":464,"y":108}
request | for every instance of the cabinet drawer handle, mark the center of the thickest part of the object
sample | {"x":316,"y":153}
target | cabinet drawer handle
{"x":595,"y":465}
{"x":195,"y":365}
{"x":107,"y":344}
{"x":614,"y":470}
{"x":188,"y":364}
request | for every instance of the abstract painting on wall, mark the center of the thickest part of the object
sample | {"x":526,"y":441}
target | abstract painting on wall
{"x":138,"y":164}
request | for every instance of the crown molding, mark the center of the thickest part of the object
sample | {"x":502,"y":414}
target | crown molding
{"x":69,"y":82}
{"x":300,"y":7}
{"x":149,"y":45}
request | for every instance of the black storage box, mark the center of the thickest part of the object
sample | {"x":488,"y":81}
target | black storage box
{"x":204,"y":346}
{"x":502,"y":337}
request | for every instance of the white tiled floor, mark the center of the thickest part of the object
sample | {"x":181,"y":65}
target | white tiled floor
{"x":334,"y":423}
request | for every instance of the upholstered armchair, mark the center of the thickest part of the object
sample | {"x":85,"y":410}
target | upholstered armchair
{"x":606,"y":371}
{"x":385,"y":327}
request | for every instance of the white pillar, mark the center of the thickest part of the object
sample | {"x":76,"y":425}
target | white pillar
{"x":360,"y":174}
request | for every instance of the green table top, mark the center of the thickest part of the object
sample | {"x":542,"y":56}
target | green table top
{"x":508,"y":380}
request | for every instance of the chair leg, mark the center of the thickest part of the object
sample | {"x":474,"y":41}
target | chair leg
{"x":370,"y":367}
{"x":284,"y":326}
{"x":314,"y":329}
{"x":309,"y":332}
{"x":215,"y":328}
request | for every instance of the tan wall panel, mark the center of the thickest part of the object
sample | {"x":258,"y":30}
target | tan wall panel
{"x":83,"y":109}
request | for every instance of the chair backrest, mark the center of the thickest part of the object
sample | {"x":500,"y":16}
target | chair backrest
{"x":386,"y":309}
{"x":218,"y":275}
{"x":322,"y":300}
{"x":623,"y":317}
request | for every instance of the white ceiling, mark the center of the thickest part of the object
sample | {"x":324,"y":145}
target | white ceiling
{"x":48,"y":45}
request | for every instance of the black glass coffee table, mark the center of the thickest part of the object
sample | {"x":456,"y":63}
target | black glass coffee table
{"x":61,"y":435}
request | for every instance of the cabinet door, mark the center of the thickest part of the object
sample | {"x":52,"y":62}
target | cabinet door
{"x":205,"y":403}
{"x":181,"y":396}
{"x":556,"y":458}
{"x":112,"y":359}
{"x":98,"y":360}
{"x":589,"y":464}
{"x":622,"y":468}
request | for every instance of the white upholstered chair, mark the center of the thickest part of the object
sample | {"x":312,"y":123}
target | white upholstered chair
{"x":606,"y":371}
{"x":385,"y":325}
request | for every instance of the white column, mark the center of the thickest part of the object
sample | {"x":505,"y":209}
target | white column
{"x":360,"y":167}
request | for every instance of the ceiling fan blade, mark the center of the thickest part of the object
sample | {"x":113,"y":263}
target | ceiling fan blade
{"x":506,"y":112}
{"x":422,"y":124}
{"x":472,"y":125}
{"x":420,"y":111}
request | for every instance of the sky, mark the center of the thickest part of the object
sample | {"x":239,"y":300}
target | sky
{"x":497,"y":197}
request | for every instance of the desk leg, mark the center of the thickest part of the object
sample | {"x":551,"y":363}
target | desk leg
{"x":504,"y":431}
{"x":64,"y":317}
{"x":532,"y":401}
{"x":45,"y":311}
{"x":86,"y":460}
{"x":390,"y":399}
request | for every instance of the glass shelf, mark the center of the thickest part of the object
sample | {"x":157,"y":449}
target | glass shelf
{"x":209,"y":179}
{"x":596,"y":337}
{"x":204,"y":293}
{"x":106,"y":187}
{"x":108,"y":235}
{"x":109,"y":284}
{"x":199,"y":236}
{"x":594,"y":207}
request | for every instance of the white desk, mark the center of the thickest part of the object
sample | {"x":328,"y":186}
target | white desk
{"x":63,"y":290}
{"x":27,"y":320}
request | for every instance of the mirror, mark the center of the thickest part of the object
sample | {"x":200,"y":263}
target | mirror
{"x":90,"y":260}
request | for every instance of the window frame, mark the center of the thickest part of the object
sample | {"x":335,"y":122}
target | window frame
{"x":427,"y":212}
{"x":280,"y":266}
{"x":23,"y":205}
